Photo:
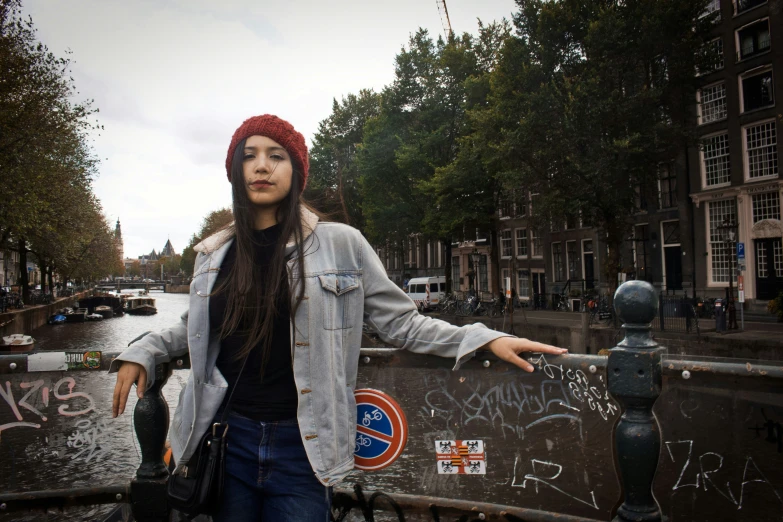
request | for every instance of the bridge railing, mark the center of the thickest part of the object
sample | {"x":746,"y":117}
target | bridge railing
{"x":583,"y":438}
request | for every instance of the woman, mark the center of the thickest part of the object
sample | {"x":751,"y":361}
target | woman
{"x":290,"y":293}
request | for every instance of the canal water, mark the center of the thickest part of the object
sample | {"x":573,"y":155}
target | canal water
{"x":69,"y":449}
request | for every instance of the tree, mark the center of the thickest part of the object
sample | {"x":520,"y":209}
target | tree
{"x":587,"y":99}
{"x":333,"y":184}
{"x":135,"y":269}
{"x":212,"y":223}
{"x":43,"y":132}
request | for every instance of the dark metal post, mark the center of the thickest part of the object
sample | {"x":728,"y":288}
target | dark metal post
{"x":634,"y":379}
{"x":151,"y":423}
{"x":661,"y":309}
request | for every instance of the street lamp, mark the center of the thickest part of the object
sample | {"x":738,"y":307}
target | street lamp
{"x":728,"y":235}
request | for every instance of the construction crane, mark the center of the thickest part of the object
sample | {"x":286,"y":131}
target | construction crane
{"x":443,"y":11}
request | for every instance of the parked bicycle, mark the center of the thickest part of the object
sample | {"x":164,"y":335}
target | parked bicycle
{"x":601,"y":312}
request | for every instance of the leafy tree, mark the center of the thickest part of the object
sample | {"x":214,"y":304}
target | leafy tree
{"x":43,"y":143}
{"x":135,"y":269}
{"x":333,"y":184}
{"x":212,"y":223}
{"x":587,"y":99}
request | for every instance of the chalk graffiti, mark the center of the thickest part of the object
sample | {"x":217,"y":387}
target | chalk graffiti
{"x":91,"y":440}
{"x":541,"y":468}
{"x":709,"y":464}
{"x":36,"y":398}
{"x":516,"y":406}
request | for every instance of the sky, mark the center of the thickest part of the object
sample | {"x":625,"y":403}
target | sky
{"x":173,"y":79}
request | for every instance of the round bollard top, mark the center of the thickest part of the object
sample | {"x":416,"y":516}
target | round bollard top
{"x":636,"y":302}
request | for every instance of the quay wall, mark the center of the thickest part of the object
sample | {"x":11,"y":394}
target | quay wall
{"x":29,"y":318}
{"x":177,"y":289}
{"x":580,"y":339}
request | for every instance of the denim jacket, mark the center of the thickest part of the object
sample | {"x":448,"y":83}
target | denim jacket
{"x":345,"y":285}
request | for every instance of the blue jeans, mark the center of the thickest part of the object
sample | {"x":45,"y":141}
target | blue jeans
{"x":268,"y":477}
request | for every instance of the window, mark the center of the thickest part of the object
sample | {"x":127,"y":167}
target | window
{"x":571,"y":259}
{"x":667,"y":186}
{"x":483,"y":276}
{"x":712,"y":103}
{"x":712,"y":7}
{"x":715,"y":160}
{"x":557,"y":260}
{"x":520,"y":205}
{"x":766,"y":206}
{"x":521,"y":242}
{"x":761,"y":153}
{"x":505,"y":207}
{"x":535,"y":240}
{"x":757,"y":91}
{"x":506,"y":246}
{"x":523,"y":283}
{"x":570,"y":221}
{"x":455,"y":274}
{"x":711,"y":57}
{"x":743,"y":5}
{"x":753,"y":39}
{"x":721,"y":254}
{"x":671,"y":232}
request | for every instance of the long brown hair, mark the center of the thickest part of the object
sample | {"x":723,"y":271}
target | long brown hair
{"x":252,"y":293}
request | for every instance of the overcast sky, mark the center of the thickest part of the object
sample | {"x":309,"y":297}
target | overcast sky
{"x":173,"y":79}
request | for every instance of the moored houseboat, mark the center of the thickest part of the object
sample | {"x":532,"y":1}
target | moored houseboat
{"x":140,"y":306}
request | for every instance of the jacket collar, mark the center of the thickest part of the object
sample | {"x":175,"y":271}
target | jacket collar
{"x":215,"y":241}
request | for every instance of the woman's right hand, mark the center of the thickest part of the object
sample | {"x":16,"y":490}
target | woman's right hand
{"x":128,"y":374}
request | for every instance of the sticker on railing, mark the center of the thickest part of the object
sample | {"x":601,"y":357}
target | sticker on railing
{"x":79,"y":361}
{"x":381,"y":430}
{"x":460,"y":457}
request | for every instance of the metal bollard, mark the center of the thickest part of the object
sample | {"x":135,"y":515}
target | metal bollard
{"x":149,"y":502}
{"x":634,"y":379}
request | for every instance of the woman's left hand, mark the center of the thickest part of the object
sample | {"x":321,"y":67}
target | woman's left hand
{"x":509,"y":348}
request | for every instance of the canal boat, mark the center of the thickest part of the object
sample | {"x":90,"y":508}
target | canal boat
{"x":94,"y":317}
{"x":76,"y":316}
{"x":18,"y":343}
{"x":140,"y":306}
{"x":106,"y":311}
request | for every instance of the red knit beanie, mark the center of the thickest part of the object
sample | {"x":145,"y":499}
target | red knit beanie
{"x":277,"y":129}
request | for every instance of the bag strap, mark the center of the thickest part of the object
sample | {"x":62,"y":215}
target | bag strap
{"x":231,"y":396}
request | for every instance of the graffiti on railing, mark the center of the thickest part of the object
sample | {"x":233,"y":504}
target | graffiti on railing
{"x":91,"y":439}
{"x":35,"y":397}
{"x":544,"y":472}
{"x":700,"y":474}
{"x":564,"y":395}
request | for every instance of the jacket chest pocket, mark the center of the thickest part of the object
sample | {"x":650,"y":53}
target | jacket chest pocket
{"x":339,"y":300}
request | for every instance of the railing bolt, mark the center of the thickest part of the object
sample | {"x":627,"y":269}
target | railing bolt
{"x":482,"y":516}
{"x":2,"y":506}
{"x":686,"y":374}
{"x":486,"y":365}
{"x":13,"y":367}
{"x":179,"y":362}
{"x":592,"y":368}
{"x":366,"y":360}
{"x":118,"y":496}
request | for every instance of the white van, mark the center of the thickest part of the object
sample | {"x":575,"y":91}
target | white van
{"x":427,"y":292}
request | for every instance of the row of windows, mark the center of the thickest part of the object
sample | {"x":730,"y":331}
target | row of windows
{"x":756,"y":92}
{"x":507,"y":243}
{"x":740,"y":6}
{"x":749,"y":41}
{"x":760,"y":154}
{"x":723,"y":255}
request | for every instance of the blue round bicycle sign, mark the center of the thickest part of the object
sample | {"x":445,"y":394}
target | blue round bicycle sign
{"x":381,"y":430}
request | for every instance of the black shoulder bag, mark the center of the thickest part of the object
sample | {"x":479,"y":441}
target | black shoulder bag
{"x":198,"y":489}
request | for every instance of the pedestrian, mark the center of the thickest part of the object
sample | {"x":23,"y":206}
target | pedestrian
{"x":275,"y":318}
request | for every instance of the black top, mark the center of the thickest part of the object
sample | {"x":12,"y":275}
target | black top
{"x":272,"y":396}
